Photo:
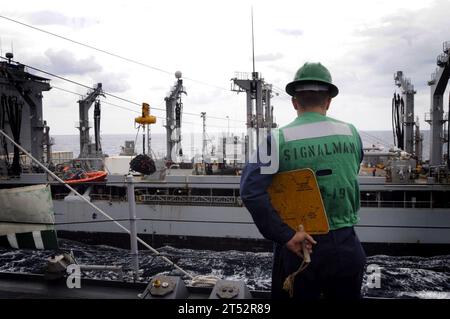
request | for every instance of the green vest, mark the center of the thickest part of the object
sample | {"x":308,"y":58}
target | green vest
{"x":332,"y":149}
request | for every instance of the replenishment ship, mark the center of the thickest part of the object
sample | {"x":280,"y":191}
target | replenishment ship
{"x":405,"y":202}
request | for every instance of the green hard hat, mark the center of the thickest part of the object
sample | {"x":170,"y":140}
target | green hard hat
{"x":312,"y":73}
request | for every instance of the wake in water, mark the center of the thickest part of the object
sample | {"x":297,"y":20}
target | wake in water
{"x":404,"y":277}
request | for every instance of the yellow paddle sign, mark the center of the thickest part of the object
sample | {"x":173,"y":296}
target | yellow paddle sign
{"x":296,"y":196}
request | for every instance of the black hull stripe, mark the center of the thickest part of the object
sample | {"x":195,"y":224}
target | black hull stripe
{"x":27,"y":241}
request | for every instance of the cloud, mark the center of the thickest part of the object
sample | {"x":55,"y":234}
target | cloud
{"x":64,"y":62}
{"x":112,"y":82}
{"x":407,"y":41}
{"x":158,"y":88}
{"x":282,"y":69}
{"x":199,"y":97}
{"x":58,"y":99}
{"x":291,"y":32}
{"x":46,"y":17}
{"x":268,"y":57}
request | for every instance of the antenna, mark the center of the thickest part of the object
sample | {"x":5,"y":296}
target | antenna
{"x":204,"y":143}
{"x":253,"y":44}
{"x":1,"y":47}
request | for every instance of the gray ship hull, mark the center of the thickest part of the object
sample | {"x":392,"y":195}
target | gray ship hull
{"x":206,"y":212}
{"x":232,"y":227}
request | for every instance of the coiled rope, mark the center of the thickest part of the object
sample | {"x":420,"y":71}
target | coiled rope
{"x":288,"y":284}
{"x":205,"y":280}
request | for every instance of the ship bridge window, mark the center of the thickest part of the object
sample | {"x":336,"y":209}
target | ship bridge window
{"x":151,"y":191}
{"x":178,"y":191}
{"x":59,"y":191}
{"x":213,"y":192}
{"x":419,"y":199}
{"x":368,"y":199}
{"x":109,"y":193}
{"x":200,"y":192}
{"x":441,"y":199}
{"x":392,"y":199}
{"x":223,"y":192}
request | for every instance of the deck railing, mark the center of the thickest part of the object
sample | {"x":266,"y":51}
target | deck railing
{"x":190,"y":200}
{"x":235,"y":201}
{"x":396,"y":204}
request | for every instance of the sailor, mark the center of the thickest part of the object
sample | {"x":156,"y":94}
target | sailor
{"x":333,"y":150}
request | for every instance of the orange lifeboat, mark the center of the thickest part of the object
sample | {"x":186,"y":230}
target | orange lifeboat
{"x":96,"y":176}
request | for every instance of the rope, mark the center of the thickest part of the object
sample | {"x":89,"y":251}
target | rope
{"x":205,"y":280}
{"x":110,"y":94}
{"x":91,"y":204}
{"x":288,"y":284}
{"x":153,"y":108}
{"x":111,"y":53}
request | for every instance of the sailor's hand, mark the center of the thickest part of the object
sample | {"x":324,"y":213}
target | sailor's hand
{"x":295,"y":243}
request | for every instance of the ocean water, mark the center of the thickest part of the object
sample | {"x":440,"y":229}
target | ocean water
{"x":401,"y":277}
{"x":192,"y":142}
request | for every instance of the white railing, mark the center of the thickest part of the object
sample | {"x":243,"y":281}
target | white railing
{"x":396,"y":204}
{"x":190,"y":199}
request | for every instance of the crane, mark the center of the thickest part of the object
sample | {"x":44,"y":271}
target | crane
{"x":91,"y":153}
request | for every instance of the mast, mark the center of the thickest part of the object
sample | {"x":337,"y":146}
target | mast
{"x":203,"y":116}
{"x":174,"y":111}
{"x":21,"y":113}
{"x":87,"y":150}
{"x":435,"y":118}
{"x":407,"y":118}
{"x":253,"y":44}
{"x":259,"y":108}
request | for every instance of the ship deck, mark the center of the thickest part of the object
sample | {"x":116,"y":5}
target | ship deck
{"x":184,"y":180}
{"x":35,"y":286}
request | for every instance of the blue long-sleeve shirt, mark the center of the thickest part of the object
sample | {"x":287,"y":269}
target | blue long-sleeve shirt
{"x":253,"y":191}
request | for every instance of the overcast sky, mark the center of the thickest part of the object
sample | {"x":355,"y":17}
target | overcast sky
{"x":361,"y":42}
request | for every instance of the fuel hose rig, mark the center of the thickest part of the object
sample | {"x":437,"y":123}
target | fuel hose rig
{"x":143,"y":163}
{"x":398,"y":109}
{"x":403,"y":115}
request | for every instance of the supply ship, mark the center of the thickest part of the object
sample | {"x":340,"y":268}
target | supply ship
{"x":405,"y":200}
